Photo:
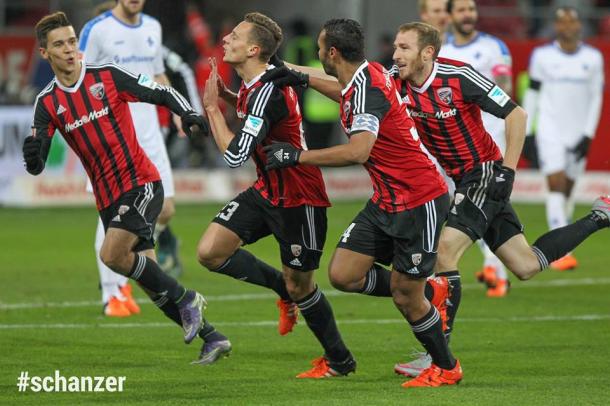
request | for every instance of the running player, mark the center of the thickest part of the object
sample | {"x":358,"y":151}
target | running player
{"x":566,"y":81}
{"x":127,"y":37}
{"x":88,"y":105}
{"x":401,"y":223}
{"x":489,"y":56}
{"x":289,"y":204}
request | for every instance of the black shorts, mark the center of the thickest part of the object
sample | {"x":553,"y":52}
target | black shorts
{"x":479,"y":216}
{"x":136,"y":211}
{"x":300,"y":231}
{"x":408,"y":239}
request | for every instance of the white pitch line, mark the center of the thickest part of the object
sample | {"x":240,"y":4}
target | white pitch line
{"x":331,"y":293}
{"x":273,"y":323}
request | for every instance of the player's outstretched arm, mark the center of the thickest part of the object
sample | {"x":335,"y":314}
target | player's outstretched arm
{"x":357,"y":151}
{"x":297,"y":75}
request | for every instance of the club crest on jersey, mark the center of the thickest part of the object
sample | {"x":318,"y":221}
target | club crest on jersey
{"x":445,"y":94}
{"x":458,"y":198}
{"x":97,"y":90}
{"x":296,"y":249}
{"x":416,"y":259}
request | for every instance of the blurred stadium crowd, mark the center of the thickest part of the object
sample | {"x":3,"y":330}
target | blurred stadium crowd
{"x":193,"y":31}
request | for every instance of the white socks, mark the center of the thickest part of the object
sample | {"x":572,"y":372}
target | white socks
{"x":556,"y":210}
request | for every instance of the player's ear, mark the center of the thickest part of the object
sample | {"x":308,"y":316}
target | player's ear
{"x":43,"y":53}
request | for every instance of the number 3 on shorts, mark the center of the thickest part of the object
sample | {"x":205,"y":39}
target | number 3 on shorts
{"x":347,"y":232}
{"x":228,"y":211}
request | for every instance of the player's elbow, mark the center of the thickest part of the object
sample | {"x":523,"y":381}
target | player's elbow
{"x":358,"y":155}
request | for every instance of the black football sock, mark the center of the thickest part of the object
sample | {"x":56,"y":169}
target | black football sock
{"x":148,"y":274}
{"x":167,"y":241}
{"x":246,"y":267}
{"x":170,"y":309}
{"x":320,"y":319}
{"x":560,"y":241}
{"x":429,"y":331}
{"x":455,"y":297}
{"x":377,"y":282}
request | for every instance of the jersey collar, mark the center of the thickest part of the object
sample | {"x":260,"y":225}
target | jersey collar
{"x":74,"y":88}
{"x":560,"y":49}
{"x":428,"y":81}
{"x":257,"y":77}
{"x":362,"y":66}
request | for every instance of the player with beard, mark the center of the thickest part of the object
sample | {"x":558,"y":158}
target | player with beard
{"x":489,"y":56}
{"x":400,"y":224}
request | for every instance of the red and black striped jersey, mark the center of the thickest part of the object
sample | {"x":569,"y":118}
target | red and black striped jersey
{"x":93,"y":116}
{"x":447,"y":112}
{"x":402,"y":174}
{"x":270,"y":114}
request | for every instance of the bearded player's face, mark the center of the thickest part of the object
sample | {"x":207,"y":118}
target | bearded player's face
{"x":131,"y":7}
{"x":324,"y":55}
{"x":407,"y":55}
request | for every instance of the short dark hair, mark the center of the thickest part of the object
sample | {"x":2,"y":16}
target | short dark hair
{"x":265,"y":33}
{"x":49,"y":23}
{"x":450,"y":5}
{"x":427,"y":35}
{"x":346,"y":36}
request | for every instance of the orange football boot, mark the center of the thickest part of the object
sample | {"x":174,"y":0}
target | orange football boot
{"x":289,"y":312}
{"x":435,"y":376}
{"x":565,"y":263}
{"x":322,"y":369}
{"x":130,"y":302}
{"x":442,"y":290}
{"x":500,"y":290}
{"x":116,"y":308}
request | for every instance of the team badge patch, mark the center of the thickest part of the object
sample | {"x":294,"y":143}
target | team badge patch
{"x":416,"y":259}
{"x":296,"y":249}
{"x":97,"y":90}
{"x":445,"y":94}
{"x":123,"y":209}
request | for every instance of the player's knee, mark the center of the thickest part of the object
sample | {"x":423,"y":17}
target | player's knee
{"x":525,"y":270}
{"x":113,"y":260}
{"x":340,"y":280}
{"x":208,"y":257}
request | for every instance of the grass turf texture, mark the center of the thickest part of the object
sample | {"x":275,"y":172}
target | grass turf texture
{"x":534,"y":347}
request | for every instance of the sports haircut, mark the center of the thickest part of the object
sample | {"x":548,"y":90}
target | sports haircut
{"x":49,"y":23}
{"x":346,"y":36}
{"x":265,"y":33}
{"x":427,"y":35}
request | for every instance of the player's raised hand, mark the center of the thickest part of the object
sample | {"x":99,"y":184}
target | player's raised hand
{"x":281,"y":155}
{"x":284,"y":76}
{"x":210,"y":93}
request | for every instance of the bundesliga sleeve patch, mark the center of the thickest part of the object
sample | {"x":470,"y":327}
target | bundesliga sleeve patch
{"x":497,"y":95}
{"x":365,"y":122}
{"x":253,"y":125}
{"x":145,"y":81}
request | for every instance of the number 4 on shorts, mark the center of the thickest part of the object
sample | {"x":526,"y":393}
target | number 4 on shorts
{"x":347,"y":232}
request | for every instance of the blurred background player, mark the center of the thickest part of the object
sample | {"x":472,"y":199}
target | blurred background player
{"x":490,"y":56}
{"x":565,"y":97}
{"x":129,"y":38}
{"x":434,"y":12}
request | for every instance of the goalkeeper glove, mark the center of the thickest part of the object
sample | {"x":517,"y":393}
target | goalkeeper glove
{"x":281,"y":155}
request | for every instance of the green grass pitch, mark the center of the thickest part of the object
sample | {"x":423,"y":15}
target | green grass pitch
{"x":546,"y":343}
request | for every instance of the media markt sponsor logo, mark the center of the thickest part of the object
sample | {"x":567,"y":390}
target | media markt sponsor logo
{"x":94,"y":115}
